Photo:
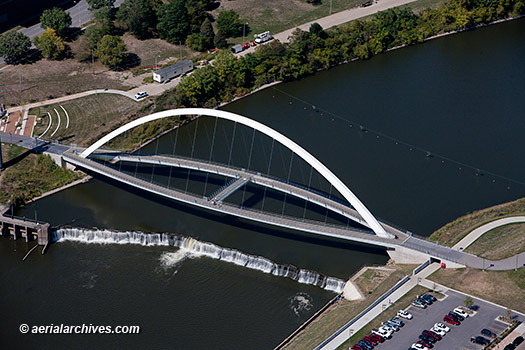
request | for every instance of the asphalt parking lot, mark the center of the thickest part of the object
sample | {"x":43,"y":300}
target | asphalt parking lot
{"x":459,"y":336}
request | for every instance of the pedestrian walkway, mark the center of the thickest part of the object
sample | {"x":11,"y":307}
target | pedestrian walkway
{"x":475,"y":234}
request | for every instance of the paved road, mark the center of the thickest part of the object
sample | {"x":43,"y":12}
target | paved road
{"x":33,"y":143}
{"x":80,"y":15}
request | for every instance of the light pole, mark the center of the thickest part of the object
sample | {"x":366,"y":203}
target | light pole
{"x":243,"y":30}
{"x":156,"y":61}
{"x":330,"y":7}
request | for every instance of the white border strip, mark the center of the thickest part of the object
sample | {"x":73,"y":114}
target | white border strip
{"x":67,"y":116}
{"x":49,"y":126}
{"x":58,"y":126}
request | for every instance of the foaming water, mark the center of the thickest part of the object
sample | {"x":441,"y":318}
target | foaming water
{"x":191,"y":248}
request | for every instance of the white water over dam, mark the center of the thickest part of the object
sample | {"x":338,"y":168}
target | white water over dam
{"x":192,"y":248}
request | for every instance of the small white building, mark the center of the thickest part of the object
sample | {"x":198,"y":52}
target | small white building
{"x":170,"y":72}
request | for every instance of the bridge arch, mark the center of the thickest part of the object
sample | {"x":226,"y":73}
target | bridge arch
{"x":285,"y":141}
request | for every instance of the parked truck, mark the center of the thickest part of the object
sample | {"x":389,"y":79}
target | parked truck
{"x":263,"y":37}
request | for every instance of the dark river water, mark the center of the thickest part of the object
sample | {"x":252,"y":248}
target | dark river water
{"x":461,"y":98}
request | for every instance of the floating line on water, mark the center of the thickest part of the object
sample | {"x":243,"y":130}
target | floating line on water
{"x":398,"y":141}
{"x":189,"y":247}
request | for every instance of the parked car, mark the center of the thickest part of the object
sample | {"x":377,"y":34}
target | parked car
{"x":429,"y":297}
{"x":396,"y":321}
{"x":438,"y":331}
{"x":140,"y":94}
{"x":371,"y":340}
{"x":404,"y":314}
{"x":510,"y":347}
{"x":431,"y":334}
{"x":461,"y":312}
{"x":488,"y":333}
{"x":518,"y":340}
{"x":479,"y":340}
{"x":427,"y":338}
{"x":418,"y":304}
{"x":451,"y":320}
{"x":377,"y":337}
{"x":425,"y":343}
{"x":418,"y":347}
{"x":395,"y":327}
{"x":365,"y":344}
{"x":456,"y":316}
{"x":382,"y":333}
{"x":357,"y":347}
{"x":424,"y":301}
{"x":442,"y":327}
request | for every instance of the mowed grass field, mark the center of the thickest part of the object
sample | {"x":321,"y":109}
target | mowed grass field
{"x":500,"y":243}
{"x":89,"y":118}
{"x":501,"y":287}
{"x":279,"y":15}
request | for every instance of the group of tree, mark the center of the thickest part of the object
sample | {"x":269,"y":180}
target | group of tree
{"x":316,"y":49}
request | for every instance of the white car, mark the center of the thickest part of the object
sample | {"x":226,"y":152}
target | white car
{"x":140,"y":95}
{"x":438,"y":331}
{"x":382,"y":332}
{"x":460,"y":312}
{"x":417,"y":346}
{"x":404,"y":314}
{"x":442,"y":326}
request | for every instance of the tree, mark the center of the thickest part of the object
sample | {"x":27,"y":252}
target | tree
{"x":103,"y":26}
{"x":204,"y":40}
{"x":196,"y":14}
{"x":468,"y":302}
{"x":56,"y":18}
{"x":316,"y":29}
{"x":229,"y":23}
{"x":14,"y":46}
{"x":173,"y":21}
{"x":111,"y":51}
{"x":220,"y":40}
{"x":97,"y":4}
{"x":51,"y":45}
{"x":138,"y":16}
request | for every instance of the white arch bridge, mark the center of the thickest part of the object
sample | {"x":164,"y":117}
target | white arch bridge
{"x":353,"y":209}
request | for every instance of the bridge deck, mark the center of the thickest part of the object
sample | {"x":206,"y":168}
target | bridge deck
{"x":228,"y":190}
{"x":257,"y":178}
{"x":263,"y":217}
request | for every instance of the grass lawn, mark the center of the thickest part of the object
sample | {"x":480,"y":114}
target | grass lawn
{"x":454,"y":231}
{"x":500,"y":243}
{"x":340,"y":313}
{"x":279,"y":15}
{"x":89,"y":117}
{"x":28,"y":175}
{"x":401,"y":304}
{"x":501,"y":287}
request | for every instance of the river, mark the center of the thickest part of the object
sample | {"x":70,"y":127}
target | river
{"x":460,"y":97}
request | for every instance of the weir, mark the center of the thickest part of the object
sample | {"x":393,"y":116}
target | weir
{"x":192,"y":248}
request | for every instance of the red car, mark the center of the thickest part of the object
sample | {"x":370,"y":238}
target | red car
{"x":370,"y":340}
{"x":377,"y":337}
{"x":357,"y":347}
{"x":451,"y":320}
{"x":431,"y":334}
{"x":426,"y":344}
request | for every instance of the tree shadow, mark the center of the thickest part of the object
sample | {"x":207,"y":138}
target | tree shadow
{"x":17,"y":159}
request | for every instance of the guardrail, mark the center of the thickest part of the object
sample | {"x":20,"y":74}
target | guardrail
{"x":365,"y":311}
{"x":421,"y":267}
